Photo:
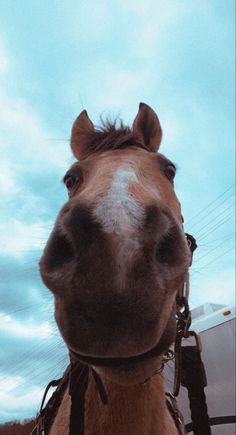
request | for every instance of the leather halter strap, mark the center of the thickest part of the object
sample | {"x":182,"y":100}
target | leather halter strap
{"x":183,"y":291}
{"x":189,"y":368}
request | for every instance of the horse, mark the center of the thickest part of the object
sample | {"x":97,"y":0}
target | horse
{"x":114,"y":261}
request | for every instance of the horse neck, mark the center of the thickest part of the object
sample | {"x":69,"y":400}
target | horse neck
{"x":138,"y":409}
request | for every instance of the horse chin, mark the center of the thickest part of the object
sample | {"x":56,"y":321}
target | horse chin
{"x":130,"y":374}
{"x":136,"y":369}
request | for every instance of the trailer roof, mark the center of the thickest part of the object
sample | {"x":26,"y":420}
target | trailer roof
{"x":209,"y":315}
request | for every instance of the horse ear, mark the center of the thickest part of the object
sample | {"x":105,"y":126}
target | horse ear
{"x":80,"y":132}
{"x":147,"y":125}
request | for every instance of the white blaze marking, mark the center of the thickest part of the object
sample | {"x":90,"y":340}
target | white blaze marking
{"x":119,"y":211}
{"x":121,"y":215}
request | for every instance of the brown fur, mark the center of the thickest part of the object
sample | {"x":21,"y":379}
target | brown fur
{"x":114,"y":272}
{"x":137,"y":409}
{"x":61,"y":422}
{"x":86,"y":140}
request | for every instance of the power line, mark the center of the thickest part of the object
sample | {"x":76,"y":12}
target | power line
{"x":215,"y":218}
{"x":20,"y":309}
{"x":216,"y":240}
{"x":22,"y":368}
{"x":211,"y":211}
{"x":212,"y":202}
{"x":212,"y":250}
{"x":219,"y":224}
{"x":214,"y":259}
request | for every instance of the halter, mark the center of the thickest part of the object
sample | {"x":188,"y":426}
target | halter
{"x":77,"y":377}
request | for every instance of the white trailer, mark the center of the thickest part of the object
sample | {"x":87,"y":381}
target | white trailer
{"x":216,"y":326}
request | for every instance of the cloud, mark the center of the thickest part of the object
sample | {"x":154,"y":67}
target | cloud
{"x":25,"y":329}
{"x":24,"y":137}
{"x":154,"y":22}
{"x":18,"y":237}
{"x":123,"y":87}
{"x":33,"y":363}
{"x":8,"y":183}
{"x":21,"y":289}
{"x":30,"y":162}
{"x":15,"y":405}
{"x":31,"y":355}
{"x":28,"y":149}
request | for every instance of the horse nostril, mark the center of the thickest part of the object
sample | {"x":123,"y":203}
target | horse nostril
{"x":59,"y":251}
{"x":170,"y":249}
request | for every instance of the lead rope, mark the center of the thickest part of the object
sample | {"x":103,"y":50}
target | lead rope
{"x":183,"y":322}
{"x":78,"y":384}
{"x":189,"y":368}
{"x":46,"y":414}
{"x":190,"y":373}
{"x":193,"y":377}
{"x":76,"y":379}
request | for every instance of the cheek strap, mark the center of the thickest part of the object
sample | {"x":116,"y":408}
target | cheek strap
{"x":183,"y":290}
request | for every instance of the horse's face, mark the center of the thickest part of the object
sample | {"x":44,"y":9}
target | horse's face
{"x":117,"y":253}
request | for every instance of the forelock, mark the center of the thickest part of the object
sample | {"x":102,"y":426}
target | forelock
{"x":110,"y":136}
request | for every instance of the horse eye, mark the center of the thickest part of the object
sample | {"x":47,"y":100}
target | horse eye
{"x":170,"y":172}
{"x":73,"y":178}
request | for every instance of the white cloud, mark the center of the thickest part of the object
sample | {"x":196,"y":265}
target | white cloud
{"x":18,"y":237}
{"x":173,"y":129}
{"x":123,"y":87}
{"x":15,"y":403}
{"x":26,"y":329}
{"x":154,"y":20}
{"x":8,"y":184}
{"x":9,"y":384}
{"x":26,"y":152}
{"x":25,"y":143}
{"x":23,"y":137}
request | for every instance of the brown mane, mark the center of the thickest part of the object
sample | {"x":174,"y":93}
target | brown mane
{"x":109,"y":136}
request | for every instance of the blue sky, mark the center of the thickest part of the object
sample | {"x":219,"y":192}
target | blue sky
{"x":60,"y":57}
